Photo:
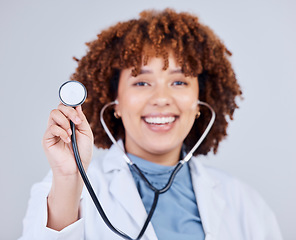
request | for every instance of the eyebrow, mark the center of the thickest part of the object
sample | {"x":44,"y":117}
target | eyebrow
{"x":174,"y":71}
{"x":178,"y":70}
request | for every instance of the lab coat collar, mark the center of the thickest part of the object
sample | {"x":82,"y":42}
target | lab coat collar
{"x":114,"y":159}
{"x":123,"y":188}
{"x":211,"y":205}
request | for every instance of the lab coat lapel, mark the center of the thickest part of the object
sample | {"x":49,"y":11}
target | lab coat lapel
{"x":211,"y":205}
{"x":124,"y":190}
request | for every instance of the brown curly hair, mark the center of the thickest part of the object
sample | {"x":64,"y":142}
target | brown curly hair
{"x":198,"y":51}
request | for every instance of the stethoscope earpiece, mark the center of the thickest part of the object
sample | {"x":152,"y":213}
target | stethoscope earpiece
{"x":72,"y":93}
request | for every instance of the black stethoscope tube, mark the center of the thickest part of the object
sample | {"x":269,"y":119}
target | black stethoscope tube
{"x":166,"y":187}
{"x":88,"y":185}
{"x":138,"y":171}
{"x":157,"y":192}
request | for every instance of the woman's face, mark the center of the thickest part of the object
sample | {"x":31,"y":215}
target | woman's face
{"x":158,"y":108}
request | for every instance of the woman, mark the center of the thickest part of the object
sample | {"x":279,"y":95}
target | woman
{"x":157,"y":67}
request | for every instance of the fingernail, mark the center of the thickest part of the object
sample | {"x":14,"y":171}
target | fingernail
{"x":79,"y":108}
{"x":77,"y":120}
{"x":68,"y":140}
{"x":69,"y":132}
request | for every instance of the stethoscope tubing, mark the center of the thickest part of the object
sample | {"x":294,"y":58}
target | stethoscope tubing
{"x":89,"y":186}
{"x":156,"y":191}
{"x":169,"y":183}
{"x":96,"y":201}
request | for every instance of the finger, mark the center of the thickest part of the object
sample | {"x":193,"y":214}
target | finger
{"x":80,"y":113}
{"x":70,"y":113}
{"x":84,"y":123}
{"x":55,"y":131}
{"x":56,"y":117}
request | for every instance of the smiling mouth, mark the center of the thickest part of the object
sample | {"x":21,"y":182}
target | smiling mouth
{"x":159,"y":120}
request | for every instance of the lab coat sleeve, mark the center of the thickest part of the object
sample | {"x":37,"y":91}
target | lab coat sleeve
{"x":262,"y":223}
{"x":34,"y":223}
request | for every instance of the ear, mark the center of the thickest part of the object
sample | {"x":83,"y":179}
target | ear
{"x":197,"y":107}
{"x":117,"y":108}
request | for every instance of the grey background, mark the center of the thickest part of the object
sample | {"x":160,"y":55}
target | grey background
{"x":39,"y":38}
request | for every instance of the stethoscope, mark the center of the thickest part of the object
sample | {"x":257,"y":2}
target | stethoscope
{"x":73,"y":93}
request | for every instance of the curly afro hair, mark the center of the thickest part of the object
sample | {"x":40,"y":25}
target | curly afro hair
{"x":197,"y":50}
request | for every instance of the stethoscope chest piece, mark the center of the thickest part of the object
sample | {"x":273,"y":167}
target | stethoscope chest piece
{"x":72,"y":93}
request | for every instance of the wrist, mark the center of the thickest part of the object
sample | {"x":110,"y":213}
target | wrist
{"x":63,"y":201}
{"x":67,"y":185}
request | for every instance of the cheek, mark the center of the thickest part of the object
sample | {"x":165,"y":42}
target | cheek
{"x":188,"y":99}
{"x":188,"y":103}
{"x":129,"y":103}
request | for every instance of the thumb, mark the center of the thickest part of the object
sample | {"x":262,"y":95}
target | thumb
{"x":84,"y":125}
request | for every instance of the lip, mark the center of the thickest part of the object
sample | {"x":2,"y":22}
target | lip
{"x":160,"y":127}
{"x":159,"y":115}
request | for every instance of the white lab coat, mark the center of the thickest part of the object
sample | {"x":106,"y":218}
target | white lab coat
{"x":229,"y":209}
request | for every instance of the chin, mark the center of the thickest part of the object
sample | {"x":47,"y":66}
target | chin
{"x":160,"y":149}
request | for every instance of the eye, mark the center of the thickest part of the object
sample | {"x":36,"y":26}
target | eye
{"x":179,"y":83}
{"x":140,"y":84}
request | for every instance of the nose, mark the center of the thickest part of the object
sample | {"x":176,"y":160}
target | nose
{"x":162,"y":96}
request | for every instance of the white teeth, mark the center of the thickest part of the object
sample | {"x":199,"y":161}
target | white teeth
{"x":160,"y":120}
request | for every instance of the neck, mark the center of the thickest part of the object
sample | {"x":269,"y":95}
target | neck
{"x":170,"y":158}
